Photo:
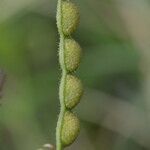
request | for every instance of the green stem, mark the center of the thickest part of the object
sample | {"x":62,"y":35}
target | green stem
{"x":59,"y":145}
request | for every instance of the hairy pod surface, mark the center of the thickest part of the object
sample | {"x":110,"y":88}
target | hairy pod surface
{"x":73,"y":91}
{"x":72,"y":54}
{"x":71,"y":88}
{"x":70,"y":17}
{"x":70,"y":128}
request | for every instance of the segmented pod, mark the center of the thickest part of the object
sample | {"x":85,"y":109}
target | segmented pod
{"x":70,"y":128}
{"x":73,"y":91}
{"x":71,"y":88}
{"x":72,"y":54}
{"x":70,"y":17}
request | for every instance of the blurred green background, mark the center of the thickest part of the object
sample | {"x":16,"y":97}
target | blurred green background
{"x":114,"y":111}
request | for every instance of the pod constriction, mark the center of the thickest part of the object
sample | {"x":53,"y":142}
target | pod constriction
{"x":71,"y":88}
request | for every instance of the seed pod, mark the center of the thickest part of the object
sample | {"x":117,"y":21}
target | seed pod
{"x":70,"y":128}
{"x":73,"y":91}
{"x":70,"y":17}
{"x":72,"y":54}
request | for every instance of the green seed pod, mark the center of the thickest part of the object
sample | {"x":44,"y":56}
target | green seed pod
{"x":70,"y":129}
{"x":73,"y":91}
{"x":72,"y":54}
{"x":70,"y":17}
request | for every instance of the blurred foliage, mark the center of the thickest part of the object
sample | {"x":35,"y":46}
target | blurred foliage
{"x":28,"y":55}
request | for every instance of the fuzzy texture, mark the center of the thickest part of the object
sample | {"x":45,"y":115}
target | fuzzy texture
{"x":70,"y":17}
{"x":70,"y":89}
{"x":72,"y":54}
{"x":73,"y":91}
{"x":70,"y":129}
